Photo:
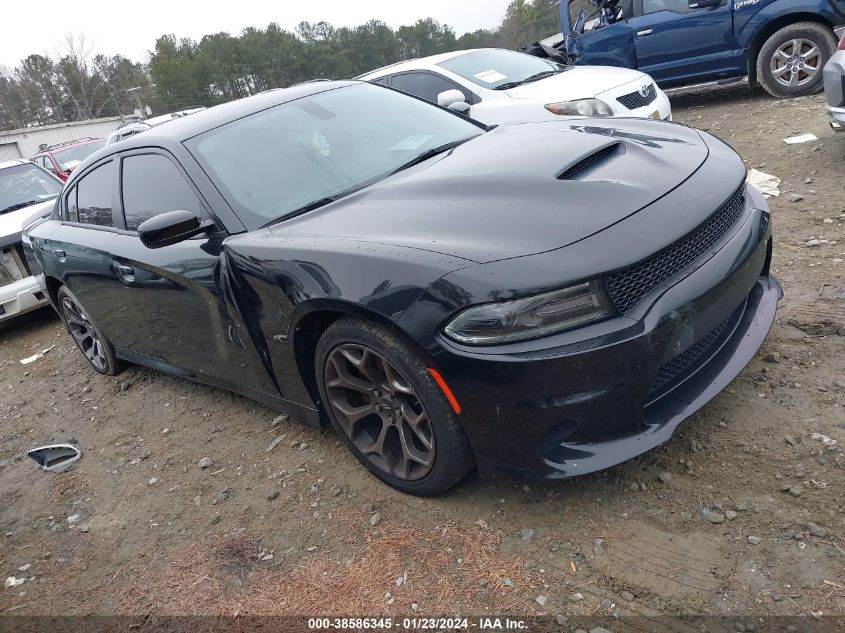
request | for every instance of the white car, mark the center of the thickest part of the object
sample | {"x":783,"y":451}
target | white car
{"x":27,"y":192}
{"x":136,"y":127}
{"x":497,"y":86}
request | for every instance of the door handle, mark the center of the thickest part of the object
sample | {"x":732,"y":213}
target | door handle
{"x":126,"y":273}
{"x":645,"y":32}
{"x":59,"y":253}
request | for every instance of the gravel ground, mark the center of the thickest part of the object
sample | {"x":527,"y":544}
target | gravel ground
{"x":180,"y":506}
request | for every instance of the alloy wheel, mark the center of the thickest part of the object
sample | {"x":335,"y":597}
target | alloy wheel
{"x":796,"y":62}
{"x":379,"y":411}
{"x":84,"y":334}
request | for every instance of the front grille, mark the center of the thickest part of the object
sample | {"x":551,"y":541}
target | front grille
{"x":634,"y":100}
{"x":627,"y":286}
{"x":680,"y":366}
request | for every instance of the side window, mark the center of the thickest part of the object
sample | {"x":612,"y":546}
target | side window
{"x":94,"y":197}
{"x":675,"y":6}
{"x":70,"y":203}
{"x":153,"y":185}
{"x":382,"y":81}
{"x":425,"y":85}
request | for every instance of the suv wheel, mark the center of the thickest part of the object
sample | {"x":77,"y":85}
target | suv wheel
{"x":790,"y":63}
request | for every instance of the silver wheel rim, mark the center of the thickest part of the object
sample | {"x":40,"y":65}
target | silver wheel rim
{"x":84,"y":334}
{"x":796,"y":62}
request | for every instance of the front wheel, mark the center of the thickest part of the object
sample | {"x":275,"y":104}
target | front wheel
{"x":790,"y":63}
{"x":393,"y":416}
{"x":94,"y":346}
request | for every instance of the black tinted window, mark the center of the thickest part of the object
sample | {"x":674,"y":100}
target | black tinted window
{"x":676,"y":6}
{"x":424,"y":85}
{"x":153,"y":185}
{"x":94,"y":196}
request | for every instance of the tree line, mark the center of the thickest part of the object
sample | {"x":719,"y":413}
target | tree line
{"x":181,"y":73}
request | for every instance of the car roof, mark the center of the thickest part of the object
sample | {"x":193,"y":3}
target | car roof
{"x":11,"y":163}
{"x":186,"y":127}
{"x":67,"y":145}
{"x":419,"y":63}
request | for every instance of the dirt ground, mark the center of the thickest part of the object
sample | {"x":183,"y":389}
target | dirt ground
{"x":749,"y":521}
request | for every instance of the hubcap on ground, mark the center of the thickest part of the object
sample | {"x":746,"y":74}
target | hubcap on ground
{"x":379,"y":412}
{"x":796,"y":62}
{"x":84,"y":334}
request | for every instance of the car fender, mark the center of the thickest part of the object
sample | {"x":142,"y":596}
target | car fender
{"x":748,"y":23}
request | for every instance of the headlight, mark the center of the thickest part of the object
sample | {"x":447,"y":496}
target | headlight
{"x":532,"y":317}
{"x":582,"y":107}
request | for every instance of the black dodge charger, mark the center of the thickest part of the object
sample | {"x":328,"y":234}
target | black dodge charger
{"x":542,"y":300}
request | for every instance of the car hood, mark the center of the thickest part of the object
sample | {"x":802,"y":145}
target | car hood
{"x":516,"y":190}
{"x":12,"y":223}
{"x":577,"y":82}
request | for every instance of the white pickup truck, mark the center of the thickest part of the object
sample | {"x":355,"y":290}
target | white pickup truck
{"x":26,"y":193}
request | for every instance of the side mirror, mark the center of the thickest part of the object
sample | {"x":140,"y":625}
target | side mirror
{"x":454,"y":100}
{"x":170,"y":228}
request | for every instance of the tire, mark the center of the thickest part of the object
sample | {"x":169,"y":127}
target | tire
{"x":785,"y":51}
{"x":95,"y":348}
{"x":364,"y":369}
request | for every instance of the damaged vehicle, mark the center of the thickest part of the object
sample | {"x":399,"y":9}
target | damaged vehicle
{"x":27,"y":192}
{"x":781,"y":45}
{"x":497,"y":86}
{"x":540,"y":300}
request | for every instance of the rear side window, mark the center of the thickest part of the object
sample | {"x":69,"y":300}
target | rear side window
{"x":94,"y":197}
{"x":425,"y":85}
{"x":676,"y":6}
{"x":153,"y":185}
{"x":72,"y":209}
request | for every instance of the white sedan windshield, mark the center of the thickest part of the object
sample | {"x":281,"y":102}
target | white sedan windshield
{"x":25,"y":184}
{"x":494,"y":68}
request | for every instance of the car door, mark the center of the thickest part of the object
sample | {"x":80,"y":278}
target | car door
{"x":83,"y":240}
{"x":175,"y":303}
{"x":682,"y":40}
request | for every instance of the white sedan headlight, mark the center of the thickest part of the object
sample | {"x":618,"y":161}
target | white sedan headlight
{"x":531,"y":317}
{"x":581,"y":107}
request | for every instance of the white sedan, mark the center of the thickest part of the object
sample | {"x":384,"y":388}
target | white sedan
{"x":26,"y":193}
{"x":497,"y":86}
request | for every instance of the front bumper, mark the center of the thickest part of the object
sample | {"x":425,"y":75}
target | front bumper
{"x":660,"y":108}
{"x":22,"y":296}
{"x":585,"y":406}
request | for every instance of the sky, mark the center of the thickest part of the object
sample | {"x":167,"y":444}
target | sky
{"x":131,"y":28}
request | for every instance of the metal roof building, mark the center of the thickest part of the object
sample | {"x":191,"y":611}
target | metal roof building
{"x":24,"y":142}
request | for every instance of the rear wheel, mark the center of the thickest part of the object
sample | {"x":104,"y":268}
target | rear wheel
{"x":94,"y":346}
{"x":382,"y":400}
{"x":790,"y":63}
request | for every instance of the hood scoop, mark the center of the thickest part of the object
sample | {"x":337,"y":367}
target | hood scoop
{"x":592,"y":162}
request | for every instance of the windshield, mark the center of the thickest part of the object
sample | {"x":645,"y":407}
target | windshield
{"x":280,"y":161}
{"x":70,"y":158}
{"x":493,"y":68}
{"x":22,"y":185}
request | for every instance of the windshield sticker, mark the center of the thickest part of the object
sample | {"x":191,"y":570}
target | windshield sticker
{"x":411,"y":143}
{"x":490,"y":76}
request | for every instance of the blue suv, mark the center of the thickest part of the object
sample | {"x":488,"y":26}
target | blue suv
{"x":780,"y":44}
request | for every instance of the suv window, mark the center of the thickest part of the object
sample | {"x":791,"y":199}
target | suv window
{"x":676,"y":6}
{"x":72,"y":211}
{"x":94,"y":197}
{"x":152,"y":185}
{"x":425,"y":85}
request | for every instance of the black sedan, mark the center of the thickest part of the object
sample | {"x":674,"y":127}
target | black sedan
{"x":542,"y":300}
